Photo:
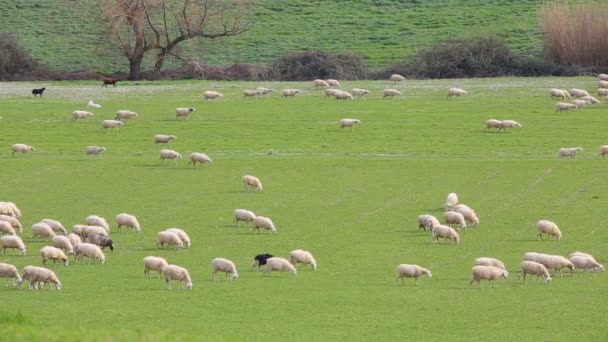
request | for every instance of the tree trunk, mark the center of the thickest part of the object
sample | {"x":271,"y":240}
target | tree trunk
{"x":135,"y":68}
{"x":159,"y":61}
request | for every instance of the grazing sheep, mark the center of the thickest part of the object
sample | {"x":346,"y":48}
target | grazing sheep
{"x":10,"y":209}
{"x":487,"y":261}
{"x":302,"y":257}
{"x":13,"y":242}
{"x":590,"y":99}
{"x":603,"y":77}
{"x":78,"y":229}
{"x":252,"y":182}
{"x":56,"y":226}
{"x":243,"y":215}
{"x":163,"y":138}
{"x":174,"y":272}
{"x":250,"y":93}
{"x":330,"y":92}
{"x":169,"y":238}
{"x":427,"y":221}
{"x":490,"y":273}
{"x":43,"y":230}
{"x":89,"y":250}
{"x":580,"y":103}
{"x":9,"y":271}
{"x":509,"y":124}
{"x":411,"y":271}
{"x":22,"y":148}
{"x":455,"y":92}
{"x":441,"y":231}
{"x":264,"y":91}
{"x":100,"y":240}
{"x":6,"y":228}
{"x":183,"y":113}
{"x":182,"y":236}
{"x":603,"y":84}
{"x":81,"y":114}
{"x":396,"y":78}
{"x":532,"y":267}
{"x":39,"y":275}
{"x":95,"y":151}
{"x":212,"y":95}
{"x":290,"y":92}
{"x":586,"y":255}
{"x":63,"y":243}
{"x":349,"y":122}
{"x":578,"y":92}
{"x":569,"y":151}
{"x":53,"y":253}
{"x":549,"y":228}
{"x":38,"y":91}
{"x":199,"y":157}
{"x":128,"y":221}
{"x":453,"y":217}
{"x":279,"y":264}
{"x":493,"y":123}
{"x":320,"y":83}
{"x":602,"y":92}
{"x":563,"y":106}
{"x":343,"y":95}
{"x":170,"y":154}
{"x":390,"y":93}
{"x":226,"y":266}
{"x":334,"y":83}
{"x":92,"y":104}
{"x":105,"y":124}
{"x":74,"y":239}
{"x":13,"y":221}
{"x":88,"y":230}
{"x":559,"y":93}
{"x":359,"y":92}
{"x":263,"y":222}
{"x":260,"y":260}
{"x":152,"y":263}
{"x":451,"y":201}
{"x":586,"y":263}
{"x":124,"y":115}
{"x":552,"y":262}
{"x":469,"y":214}
{"x":94,"y":220}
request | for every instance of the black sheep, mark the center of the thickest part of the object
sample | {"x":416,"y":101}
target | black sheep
{"x":38,"y":91}
{"x":260,"y":260}
{"x":100,"y":240}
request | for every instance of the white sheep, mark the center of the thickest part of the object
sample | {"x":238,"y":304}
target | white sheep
{"x":396,"y":78}
{"x":212,"y":95}
{"x":56,"y":226}
{"x":390,"y":93}
{"x":509,"y":124}
{"x":152,"y":263}
{"x":226,"y":266}
{"x":533,"y":267}
{"x":263,"y":222}
{"x":451,"y":201}
{"x":163,"y":138}
{"x":290,"y":92}
{"x":493,"y":123}
{"x":578,"y":92}
{"x":89,"y":250}
{"x":489,"y":273}
{"x":182,"y":236}
{"x":105,"y":124}
{"x":602,"y":92}
{"x":549,"y":228}
{"x":302,"y":257}
{"x":279,"y":264}
{"x":78,"y":229}
{"x":603,"y":84}
{"x":343,"y":95}
{"x":349,"y":122}
{"x":252,"y":183}
{"x":90,"y":230}
{"x":95,"y":151}
{"x":469,"y":214}
{"x":334,"y":83}
{"x":13,"y":242}
{"x":174,"y":272}
{"x":10,"y":209}
{"x":559,"y":93}
{"x":42,"y":230}
{"x":320,"y":83}
{"x":564,"y":106}
{"x":63,"y":243}
{"x":552,"y":262}
{"x":590,"y":99}
{"x":427,"y":221}
{"x":584,"y":262}
{"x":94,"y":220}
{"x":13,"y":221}
{"x":124,"y":115}
{"x":441,"y":231}
{"x":411,"y":271}
{"x":39,"y":275}
{"x":330,"y":92}
{"x":569,"y":152}
{"x":586,"y":255}
{"x":129,"y":221}
{"x":359,"y":92}
{"x":92,"y":104}
{"x":170,"y":154}
{"x":487,"y":261}
{"x":250,"y":93}
{"x":9,"y":271}
{"x":453,"y":217}
{"x":243,"y":215}
{"x":53,"y":253}
{"x":199,"y":157}
{"x":580,"y":103}
{"x":603,"y":77}
{"x":183,"y":113}
{"x":81,"y":114}
{"x":6,"y":228}
{"x":74,"y":240}
{"x":455,"y":92}
{"x":169,"y":238}
{"x":22,"y":148}
{"x":264,"y":90}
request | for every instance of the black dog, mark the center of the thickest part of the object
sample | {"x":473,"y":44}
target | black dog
{"x":38,"y":91}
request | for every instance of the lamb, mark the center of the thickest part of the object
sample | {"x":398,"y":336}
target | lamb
{"x":105,"y":124}
{"x":6,"y":228}
{"x":95,"y":151}
{"x":334,"y":83}
{"x":100,"y":240}
{"x":455,"y":92}
{"x":427,"y":221}
{"x":359,"y":92}
{"x":182,"y":236}
{"x":563,"y":106}
{"x":578,"y":92}
{"x":302,"y":257}
{"x":13,"y":221}
{"x":183,"y":113}
{"x":330,"y":92}
{"x":559,"y":93}
{"x":63,"y":243}
{"x":163,"y":138}
{"x":391,"y":93}
{"x":94,"y":220}
{"x":81,"y":114}
{"x":39,"y":275}
{"x":569,"y":152}
{"x":109,"y":80}
{"x":170,"y":154}
{"x":252,"y":183}
{"x":349,"y":122}
{"x":396,"y":78}
{"x":549,"y":228}
{"x":43,"y":230}
{"x":56,"y":226}
{"x":411,"y":271}
{"x":603,"y":84}
{"x":250,"y":93}
{"x":320,"y":83}
{"x":74,"y":239}
{"x":603,"y":77}
{"x":602,"y":92}
{"x":279,"y":264}
{"x":174,"y":272}
{"x":441,"y":231}
{"x":469,"y":214}
{"x":490,"y":273}
{"x":590,"y":99}
{"x":226,"y":266}
{"x":92,"y":104}
{"x":38,"y":91}
{"x":493,"y":123}
{"x":169,"y":238}
{"x":10,"y":209}
{"x":52,"y":253}
{"x":451,"y":201}
{"x":12,"y":241}
{"x":212,"y":95}
{"x":243,"y":215}
{"x":453,"y":217}
{"x":128,"y":221}
{"x":584,"y":262}
{"x":343,"y":95}
{"x":9,"y":271}
{"x":260,"y":260}
{"x":509,"y":124}
{"x":290,"y":92}
{"x":22,"y":148}
{"x":532,"y":267}
{"x":152,"y":263}
{"x":123,"y":115}
{"x":263,"y":222}
{"x":89,"y":250}
{"x":487,"y":261}
{"x":199,"y":157}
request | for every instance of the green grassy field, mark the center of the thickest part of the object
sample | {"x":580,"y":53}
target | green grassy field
{"x":351,"y":197}
{"x":383,"y":32}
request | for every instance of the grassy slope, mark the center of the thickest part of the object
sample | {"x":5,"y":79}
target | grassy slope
{"x":351,"y":197}
{"x":62,"y":33}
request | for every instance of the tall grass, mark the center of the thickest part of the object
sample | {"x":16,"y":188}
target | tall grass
{"x":575,"y":32}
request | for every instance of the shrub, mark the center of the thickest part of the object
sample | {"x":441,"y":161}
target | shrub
{"x":16,"y":63}
{"x":309,"y":65}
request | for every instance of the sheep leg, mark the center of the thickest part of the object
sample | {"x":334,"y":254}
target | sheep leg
{"x":168,"y":284}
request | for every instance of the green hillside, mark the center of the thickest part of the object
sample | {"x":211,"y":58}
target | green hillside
{"x":62,"y":33}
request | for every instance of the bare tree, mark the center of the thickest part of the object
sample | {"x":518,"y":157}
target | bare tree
{"x":135,"y":27}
